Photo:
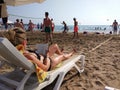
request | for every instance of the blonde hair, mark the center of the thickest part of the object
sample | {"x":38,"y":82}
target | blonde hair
{"x":16,"y":36}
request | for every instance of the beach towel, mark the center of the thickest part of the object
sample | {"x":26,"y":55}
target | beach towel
{"x":41,"y":74}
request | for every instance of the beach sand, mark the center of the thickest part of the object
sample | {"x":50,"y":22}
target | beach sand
{"x":102,"y":62}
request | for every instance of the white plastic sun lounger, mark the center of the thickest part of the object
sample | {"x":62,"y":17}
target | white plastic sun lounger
{"x":28,"y":81}
{"x":110,"y":88}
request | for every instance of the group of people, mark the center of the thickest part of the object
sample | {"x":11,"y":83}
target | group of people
{"x":17,"y":36}
{"x":48,"y":27}
{"x":19,"y":23}
{"x":76,"y":28}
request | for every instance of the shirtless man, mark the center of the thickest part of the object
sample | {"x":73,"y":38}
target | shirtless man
{"x":47,"y":26}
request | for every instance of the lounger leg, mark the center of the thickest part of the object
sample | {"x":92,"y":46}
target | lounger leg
{"x":22,"y":83}
{"x":81,"y":69}
{"x":62,"y":74}
{"x":59,"y":81}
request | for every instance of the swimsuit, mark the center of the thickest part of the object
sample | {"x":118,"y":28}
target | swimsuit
{"x":38,"y":56}
{"x":50,"y":64}
{"x":75,"y":28}
{"x":47,"y":29}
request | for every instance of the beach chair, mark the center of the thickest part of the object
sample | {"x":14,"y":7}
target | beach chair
{"x":110,"y":88}
{"x":19,"y":80}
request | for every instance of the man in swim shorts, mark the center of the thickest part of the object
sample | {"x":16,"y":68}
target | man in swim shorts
{"x":47,"y":25}
{"x":75,"y":28}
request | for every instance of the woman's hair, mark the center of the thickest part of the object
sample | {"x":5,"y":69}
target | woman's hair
{"x":16,"y":36}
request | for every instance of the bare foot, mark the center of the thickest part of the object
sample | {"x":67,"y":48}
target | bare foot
{"x":75,"y":51}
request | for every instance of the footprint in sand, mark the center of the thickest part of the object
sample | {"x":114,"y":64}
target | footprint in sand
{"x":99,"y":83}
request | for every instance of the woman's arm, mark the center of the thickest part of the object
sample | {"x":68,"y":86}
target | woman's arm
{"x":45,"y":66}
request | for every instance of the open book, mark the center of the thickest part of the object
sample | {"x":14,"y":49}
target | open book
{"x":41,"y":49}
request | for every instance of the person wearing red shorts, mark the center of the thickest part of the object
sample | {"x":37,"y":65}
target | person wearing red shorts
{"x":75,"y":28}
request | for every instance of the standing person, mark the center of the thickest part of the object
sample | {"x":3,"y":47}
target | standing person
{"x":3,"y":13}
{"x":75,"y":28}
{"x":53,"y":26}
{"x":115,"y":27}
{"x":47,"y":26}
{"x":38,"y":26}
{"x":21,"y":21}
{"x":41,"y":27}
{"x":30,"y":26}
{"x":65,"y":27}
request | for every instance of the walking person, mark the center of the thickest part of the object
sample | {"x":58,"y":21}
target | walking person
{"x":75,"y":28}
{"x":65,"y":27}
{"x":47,"y":26}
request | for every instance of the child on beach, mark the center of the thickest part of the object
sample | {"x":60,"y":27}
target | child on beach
{"x":17,"y":36}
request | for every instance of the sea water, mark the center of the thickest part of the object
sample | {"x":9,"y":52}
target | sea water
{"x":88,"y":28}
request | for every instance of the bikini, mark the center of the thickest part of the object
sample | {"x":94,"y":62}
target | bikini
{"x":50,"y":64}
{"x":39,"y":57}
{"x":32,"y":51}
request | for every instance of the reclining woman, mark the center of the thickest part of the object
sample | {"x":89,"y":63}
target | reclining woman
{"x":17,"y":36}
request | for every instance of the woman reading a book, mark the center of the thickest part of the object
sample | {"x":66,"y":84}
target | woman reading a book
{"x":17,"y":36}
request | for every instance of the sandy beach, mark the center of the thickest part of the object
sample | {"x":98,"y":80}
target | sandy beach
{"x":102,"y":63}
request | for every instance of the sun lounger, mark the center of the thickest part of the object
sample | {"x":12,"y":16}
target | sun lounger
{"x":27,"y":80}
{"x":110,"y":88}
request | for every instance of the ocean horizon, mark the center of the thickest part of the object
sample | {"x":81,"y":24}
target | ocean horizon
{"x":88,"y":28}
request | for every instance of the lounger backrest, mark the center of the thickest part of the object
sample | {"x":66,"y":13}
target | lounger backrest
{"x":12,"y":55}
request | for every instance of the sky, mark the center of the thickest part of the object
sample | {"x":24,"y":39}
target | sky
{"x":87,"y":12}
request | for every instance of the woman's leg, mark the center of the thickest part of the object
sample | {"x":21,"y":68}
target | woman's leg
{"x":54,"y":49}
{"x":60,"y":58}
